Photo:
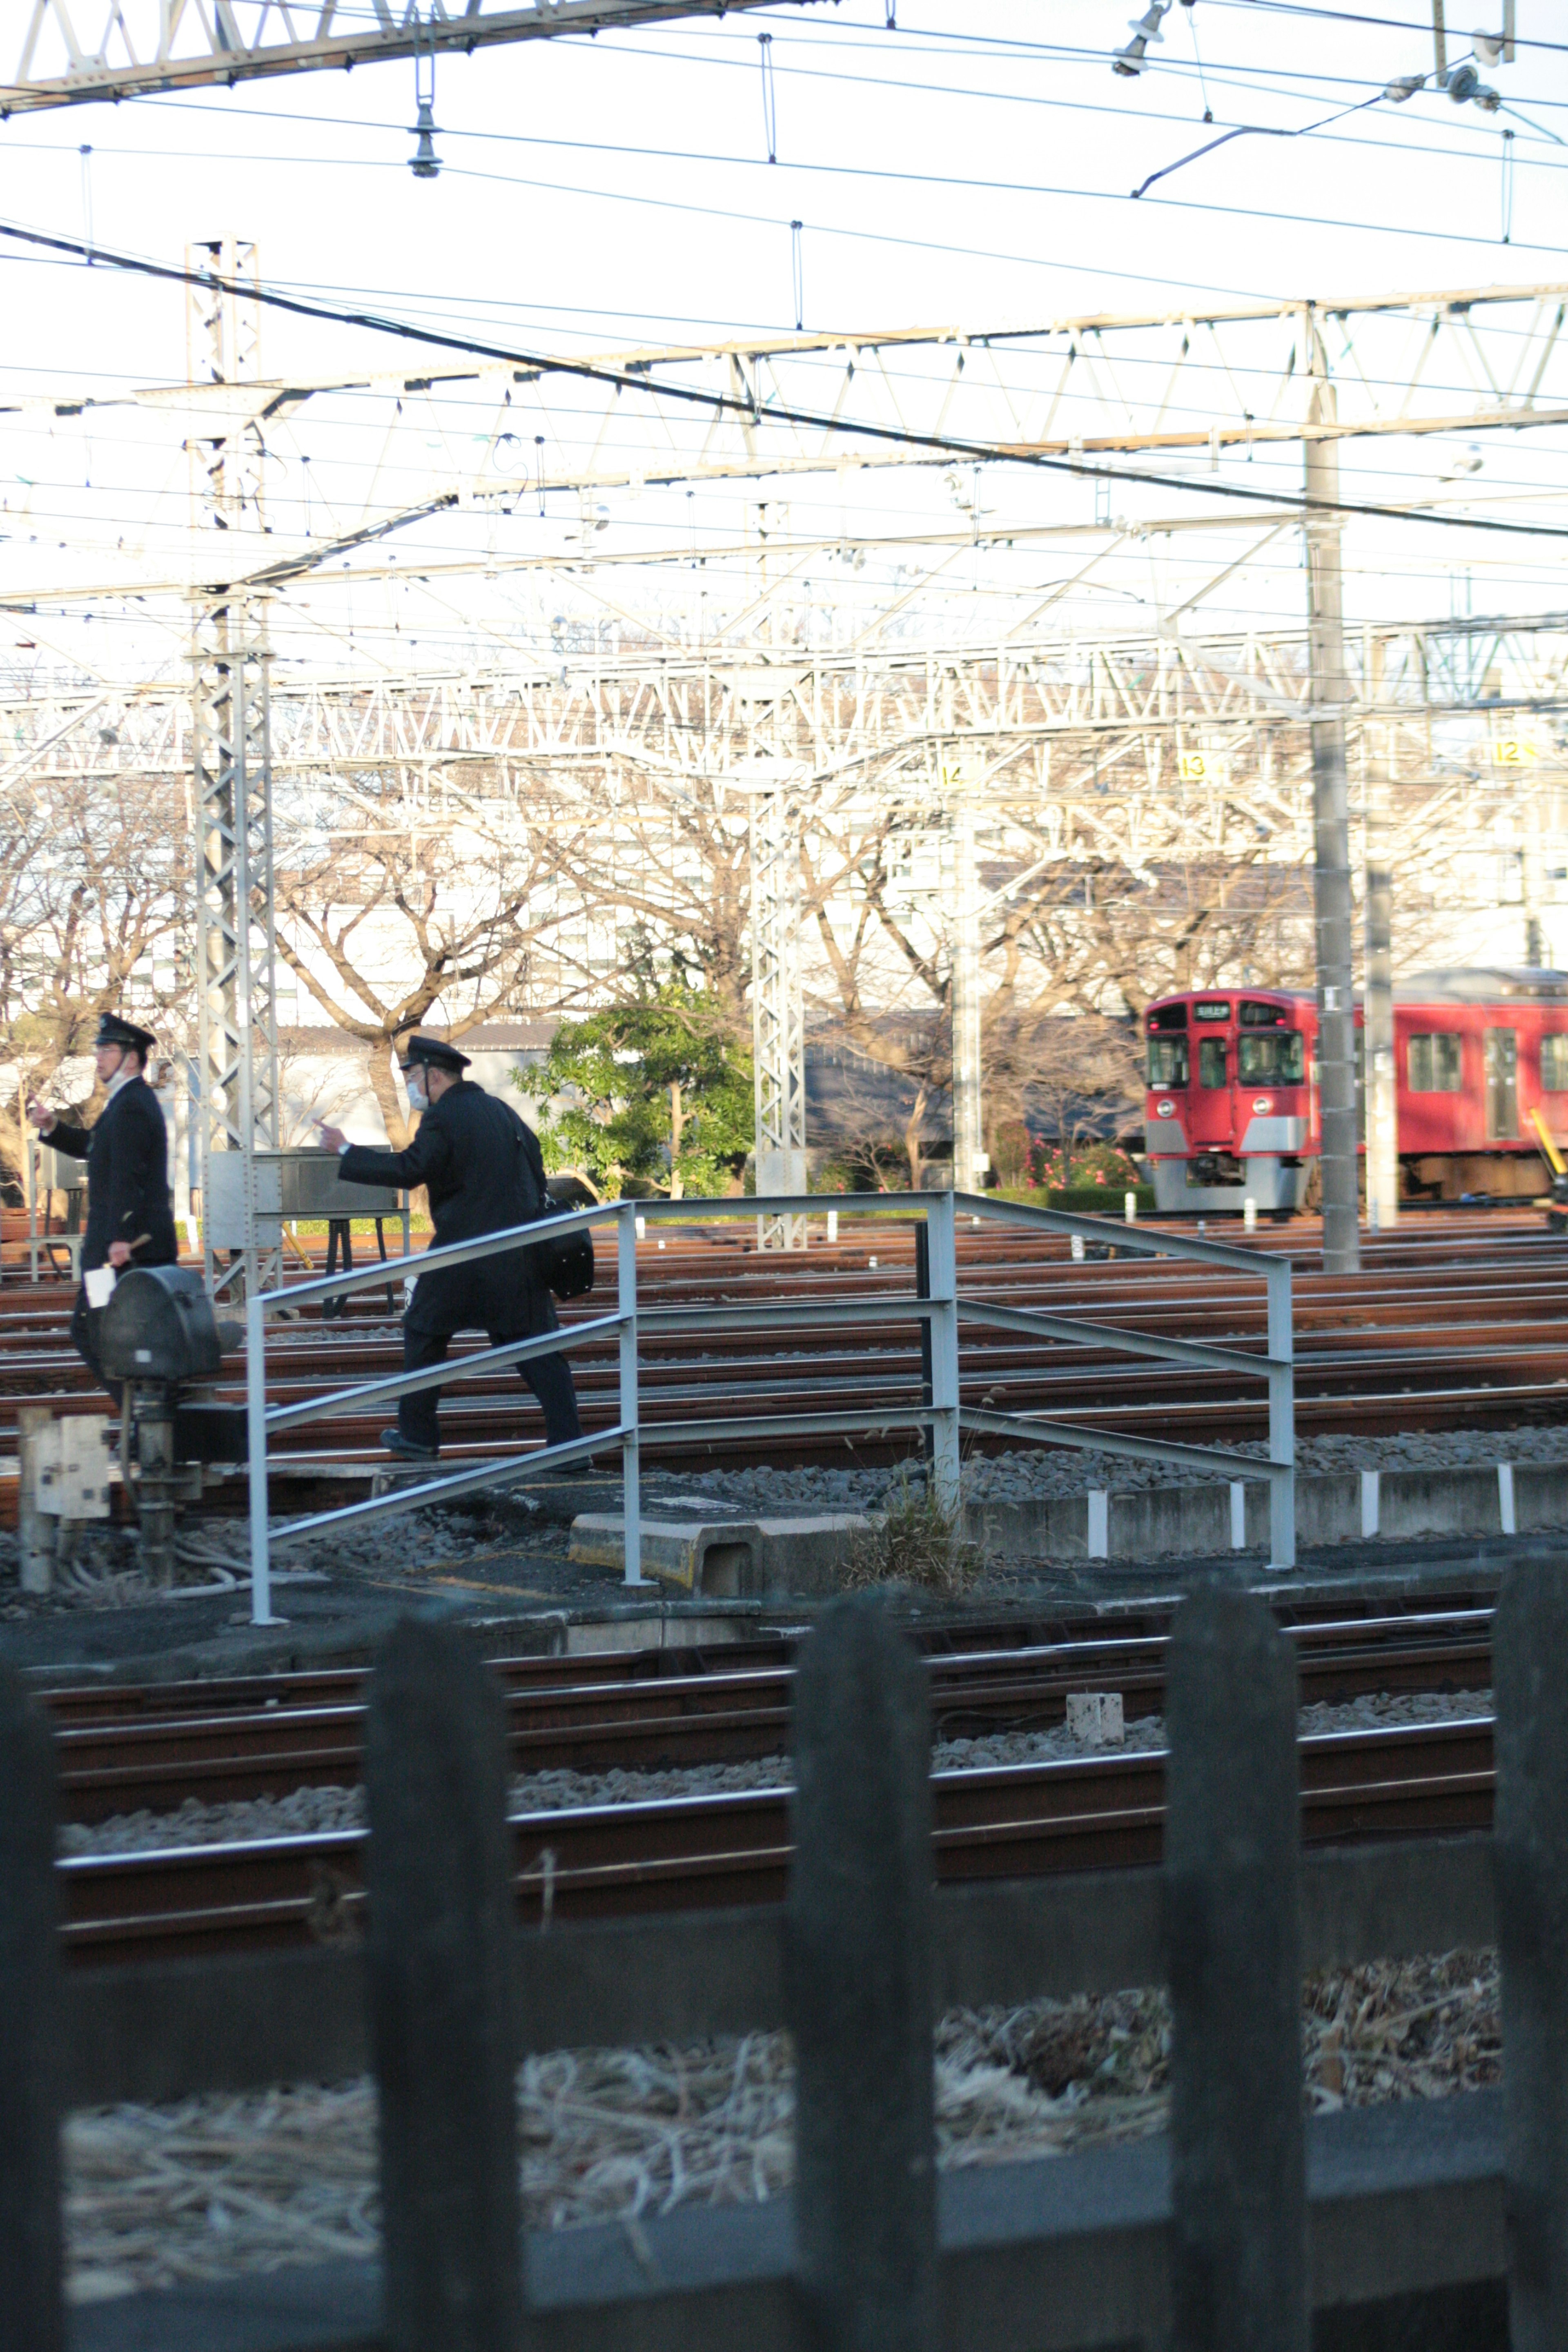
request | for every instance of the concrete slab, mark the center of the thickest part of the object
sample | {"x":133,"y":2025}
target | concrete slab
{"x":1153,"y":1523}
{"x":730,"y":1559}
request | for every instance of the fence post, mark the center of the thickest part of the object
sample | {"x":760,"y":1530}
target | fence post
{"x":1238,"y":2247}
{"x":443,"y":1979}
{"x":941,"y":1227}
{"x":256,"y":1452}
{"x":859,"y":1979}
{"x":1530,"y":1662}
{"x":631,"y":1444}
{"x":31,"y":2026}
{"x":1281,"y":1414}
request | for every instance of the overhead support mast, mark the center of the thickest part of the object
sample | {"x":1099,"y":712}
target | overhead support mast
{"x":1331,"y":824}
{"x":231,"y":758}
{"x":969,"y":1161}
{"x":778,"y":1021}
{"x":1380,"y":1087}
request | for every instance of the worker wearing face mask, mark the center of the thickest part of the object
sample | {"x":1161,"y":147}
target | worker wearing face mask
{"x":130,"y":1217}
{"x":483,"y":1171}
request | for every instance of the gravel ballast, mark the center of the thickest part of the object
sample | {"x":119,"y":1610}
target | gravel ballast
{"x":1045,"y":1472}
{"x":306,"y":1811}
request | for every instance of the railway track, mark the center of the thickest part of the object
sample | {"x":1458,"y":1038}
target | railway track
{"x":1456,"y":1327}
{"x":728,"y":1711}
{"x":697,"y":1853}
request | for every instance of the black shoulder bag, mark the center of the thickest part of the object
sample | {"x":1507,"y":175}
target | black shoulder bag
{"x":566,"y":1262}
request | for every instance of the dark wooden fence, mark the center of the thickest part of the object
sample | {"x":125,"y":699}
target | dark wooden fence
{"x":1248,"y":2228}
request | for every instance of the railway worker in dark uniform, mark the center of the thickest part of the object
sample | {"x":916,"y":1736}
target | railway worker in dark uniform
{"x":483,"y":1171}
{"x":130,"y":1218}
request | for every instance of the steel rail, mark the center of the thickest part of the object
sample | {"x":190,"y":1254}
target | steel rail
{"x":716,"y":1716}
{"x":596,"y":1861}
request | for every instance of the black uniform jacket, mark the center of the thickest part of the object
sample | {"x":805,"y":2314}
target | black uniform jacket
{"x":484,"y":1171}
{"x":127,"y":1156}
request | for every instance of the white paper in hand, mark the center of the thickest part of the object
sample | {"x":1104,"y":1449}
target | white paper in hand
{"x":99,"y":1281}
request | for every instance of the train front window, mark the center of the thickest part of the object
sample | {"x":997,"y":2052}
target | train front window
{"x":1168,"y":1061}
{"x":1434,"y":1063}
{"x":1554,"y":1062}
{"x":1211,"y":1062}
{"x":1279,"y":1060}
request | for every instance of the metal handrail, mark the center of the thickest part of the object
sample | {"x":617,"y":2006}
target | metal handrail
{"x":1277,"y":1364}
{"x":942,"y":1312}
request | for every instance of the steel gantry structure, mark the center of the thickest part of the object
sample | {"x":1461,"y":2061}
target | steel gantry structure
{"x":152,"y":46}
{"x":231,"y":769}
{"x":1061,"y":724}
{"x":1130,"y":756}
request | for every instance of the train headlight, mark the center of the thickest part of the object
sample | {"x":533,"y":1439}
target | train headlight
{"x":1262,"y":1102}
{"x":1164,"y":1110}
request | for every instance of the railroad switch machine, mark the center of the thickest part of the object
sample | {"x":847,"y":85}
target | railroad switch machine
{"x":160,"y":1338}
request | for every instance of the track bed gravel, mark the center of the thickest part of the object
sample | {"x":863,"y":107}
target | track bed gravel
{"x":309,"y":1809}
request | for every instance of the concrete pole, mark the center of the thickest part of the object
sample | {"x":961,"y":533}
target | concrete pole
{"x":1331,"y":811}
{"x":1382,"y":1133}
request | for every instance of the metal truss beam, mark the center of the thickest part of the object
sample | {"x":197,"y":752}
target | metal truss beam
{"x":231,"y":764}
{"x":778,"y":1020}
{"x":150,"y":46}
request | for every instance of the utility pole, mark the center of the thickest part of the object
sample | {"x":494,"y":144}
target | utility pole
{"x":231,"y":754}
{"x":1330,"y":820}
{"x":1382,"y":1131}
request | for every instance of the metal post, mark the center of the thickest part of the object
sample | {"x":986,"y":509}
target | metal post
{"x":231,"y":756}
{"x":30,"y":1172}
{"x":1529,"y":1661}
{"x":627,"y":1308}
{"x":1238,"y":2239}
{"x":968,"y":1162}
{"x":1382,"y":1119}
{"x":858,"y":1986}
{"x":1331,"y":816}
{"x":1281,"y":1414}
{"x":778,"y":1020}
{"x":32,"y":2030}
{"x":443,"y":1996}
{"x":922,"y":1290}
{"x":255,"y":1449}
{"x":945,"y":1457}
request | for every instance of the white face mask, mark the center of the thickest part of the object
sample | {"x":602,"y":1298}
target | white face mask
{"x":414,"y":1087}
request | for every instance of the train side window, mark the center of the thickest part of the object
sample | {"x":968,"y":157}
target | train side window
{"x":1168,"y":1061}
{"x":1211,"y":1062}
{"x":1554,"y":1062}
{"x":1434,"y":1063}
{"x":1277,"y":1061}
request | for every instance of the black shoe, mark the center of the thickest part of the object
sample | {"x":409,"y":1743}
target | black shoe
{"x":404,"y":1447}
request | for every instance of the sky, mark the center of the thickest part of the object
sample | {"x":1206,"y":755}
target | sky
{"x":970,"y":170}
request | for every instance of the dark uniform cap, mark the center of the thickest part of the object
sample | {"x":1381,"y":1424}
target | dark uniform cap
{"x":435,"y":1050}
{"x":113,"y":1031}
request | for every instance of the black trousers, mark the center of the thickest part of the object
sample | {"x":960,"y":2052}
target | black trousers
{"x":85,"y":1320}
{"x":550,"y":1377}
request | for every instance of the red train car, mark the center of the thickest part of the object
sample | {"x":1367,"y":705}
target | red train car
{"x":1232,"y":1111}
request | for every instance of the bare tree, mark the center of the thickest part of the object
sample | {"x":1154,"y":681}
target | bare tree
{"x":399,"y":913}
{"x":94,"y":910}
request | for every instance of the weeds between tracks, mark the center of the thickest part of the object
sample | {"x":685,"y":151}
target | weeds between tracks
{"x":915,"y":1543}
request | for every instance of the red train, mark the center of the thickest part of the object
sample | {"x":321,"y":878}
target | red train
{"x":1232,"y":1108}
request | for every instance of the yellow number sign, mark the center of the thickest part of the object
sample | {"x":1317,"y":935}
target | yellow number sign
{"x":1514,"y":751}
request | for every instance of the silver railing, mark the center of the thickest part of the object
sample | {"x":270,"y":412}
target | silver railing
{"x":944,"y":1311}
